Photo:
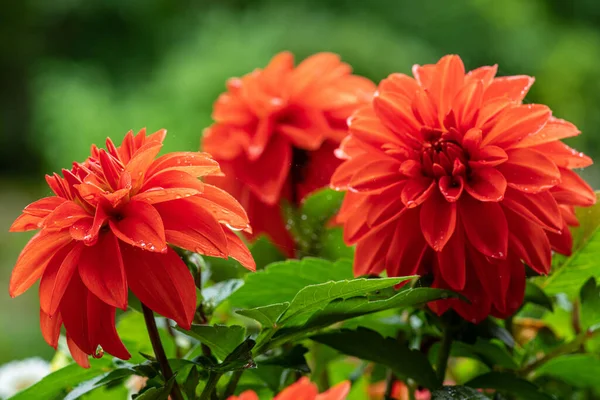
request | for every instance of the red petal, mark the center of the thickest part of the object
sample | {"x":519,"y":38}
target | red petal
{"x":367,"y":127}
{"x":451,"y":188}
{"x":516,"y":289}
{"x":65,"y":215}
{"x":405,"y":252}
{"x":554,"y":130}
{"x":573,"y":190}
{"x":73,"y":309}
{"x":26,"y":222}
{"x":540,"y":208}
{"x":485,"y":74}
{"x":338,"y":392}
{"x":530,"y":243}
{"x":472,"y":140}
{"x":141,"y":225}
{"x":371,"y":251}
{"x":101,"y":269}
{"x":513,"y":87}
{"x":156,"y":195}
{"x":193,"y":163}
{"x":494,"y":277}
{"x":438,"y":220}
{"x":467,"y":104}
{"x":448,"y":80}
{"x":138,"y":166}
{"x":529,"y":171}
{"x":416,"y":191}
{"x":173,"y":179}
{"x":79,"y":356}
{"x":43,"y":207}
{"x":486,"y":184}
{"x":162,"y":282}
{"x":340,"y":180}
{"x":385,"y":206}
{"x":224,"y":207}
{"x":451,"y":260}
{"x":190,"y":226}
{"x":101,"y":328}
{"x":50,"y":327}
{"x":562,"y":242}
{"x":400,"y":84}
{"x":303,"y":389}
{"x":237,"y":250}
{"x":563,"y":155}
{"x":33,"y":259}
{"x":376,"y":175}
{"x":516,"y":123}
{"x":488,"y":156}
{"x":485,"y":226}
{"x":57,"y":276}
{"x":395,"y":111}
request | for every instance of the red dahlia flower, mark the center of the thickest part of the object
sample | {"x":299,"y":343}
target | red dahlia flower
{"x":106,"y":230}
{"x":303,"y":389}
{"x":275,"y":133}
{"x":449,"y":174}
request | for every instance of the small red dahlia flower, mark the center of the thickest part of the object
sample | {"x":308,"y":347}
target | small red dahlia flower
{"x":275,"y":133}
{"x":303,"y":389}
{"x":449,"y":174}
{"x":106,"y":230}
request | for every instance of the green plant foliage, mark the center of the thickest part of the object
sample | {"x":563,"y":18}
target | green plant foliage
{"x":457,"y":393}
{"x":221,"y":339}
{"x":578,"y":370}
{"x":508,"y":383}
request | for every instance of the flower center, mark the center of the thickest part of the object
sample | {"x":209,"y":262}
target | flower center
{"x":442,"y":155}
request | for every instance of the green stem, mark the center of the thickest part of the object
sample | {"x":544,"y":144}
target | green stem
{"x":444,"y":354}
{"x":412,"y":390}
{"x":233,"y":382}
{"x":159,"y":351}
{"x":389,"y":385}
{"x":211,"y":385}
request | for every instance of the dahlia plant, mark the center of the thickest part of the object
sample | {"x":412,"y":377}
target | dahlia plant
{"x":426,"y":238}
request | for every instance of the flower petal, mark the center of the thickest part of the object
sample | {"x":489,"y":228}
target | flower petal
{"x":101,"y":328}
{"x":554,"y":130}
{"x":513,"y":87}
{"x":50,"y":327}
{"x":530,"y":242}
{"x":34,"y":258}
{"x":195,"y":164}
{"x":101,"y":270}
{"x":224,"y":207}
{"x":486,"y":184}
{"x":573,"y":190}
{"x":485,"y":226}
{"x":65,"y":215}
{"x":371,"y":251}
{"x":57,"y":276}
{"x":451,"y":260}
{"x":79,"y":356}
{"x":563,"y":155}
{"x":237,"y":250}
{"x":516,"y":123}
{"x":338,"y":392}
{"x":540,"y":208}
{"x":73,"y":309}
{"x":162,"y":282}
{"x":529,"y":171}
{"x":416,"y":191}
{"x":437,"y":220}
{"x":140,"y":225}
{"x":405,"y":252}
{"x":376,"y":175}
{"x":26,"y":222}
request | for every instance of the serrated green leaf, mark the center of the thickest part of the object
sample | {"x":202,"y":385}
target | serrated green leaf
{"x":583,"y":262}
{"x":508,"y":383}
{"x":221,"y":339}
{"x":315,"y":297}
{"x":590,"y":304}
{"x":534,"y":294}
{"x":99,"y":381}
{"x":370,"y":345}
{"x":578,"y":370}
{"x":214,"y":295}
{"x":267,"y":316}
{"x":457,"y":393}
{"x":281,"y":281}
{"x":64,"y":379}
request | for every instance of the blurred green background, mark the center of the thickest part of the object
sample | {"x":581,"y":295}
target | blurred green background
{"x":74,"y":72}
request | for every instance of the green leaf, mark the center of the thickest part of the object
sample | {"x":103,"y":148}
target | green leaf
{"x":60,"y":381}
{"x":315,"y":297}
{"x":590,"y":304}
{"x":240,"y":358}
{"x":290,"y":359}
{"x":132,"y":331}
{"x":158,"y":393}
{"x":281,"y":281}
{"x":264,"y":252}
{"x":508,"y":383}
{"x":583,"y":262}
{"x":579,"y":370}
{"x":457,"y":393}
{"x":191,"y":382}
{"x":221,"y":339}
{"x":214,"y":295}
{"x":490,"y":353}
{"x":99,"y":381}
{"x":267,"y":316}
{"x":534,"y":294}
{"x":370,"y":345}
{"x":333,"y":247}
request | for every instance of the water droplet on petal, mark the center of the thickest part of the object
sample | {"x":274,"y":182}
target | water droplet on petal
{"x":99,"y":352}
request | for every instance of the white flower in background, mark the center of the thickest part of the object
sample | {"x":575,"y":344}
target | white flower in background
{"x":134,"y":384}
{"x":18,"y":375}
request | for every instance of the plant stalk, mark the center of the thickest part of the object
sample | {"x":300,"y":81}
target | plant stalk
{"x":211,"y":385}
{"x":232,"y":384}
{"x":159,"y":351}
{"x":444,"y":354}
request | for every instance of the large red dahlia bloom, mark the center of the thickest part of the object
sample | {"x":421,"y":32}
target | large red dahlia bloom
{"x":106,"y":230}
{"x":449,"y":174}
{"x":275,"y":133}
{"x":303,"y":389}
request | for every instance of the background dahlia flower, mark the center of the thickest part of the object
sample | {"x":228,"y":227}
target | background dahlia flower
{"x":449,"y":174}
{"x":303,"y":389}
{"x":107,"y":230}
{"x":275,"y":132}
